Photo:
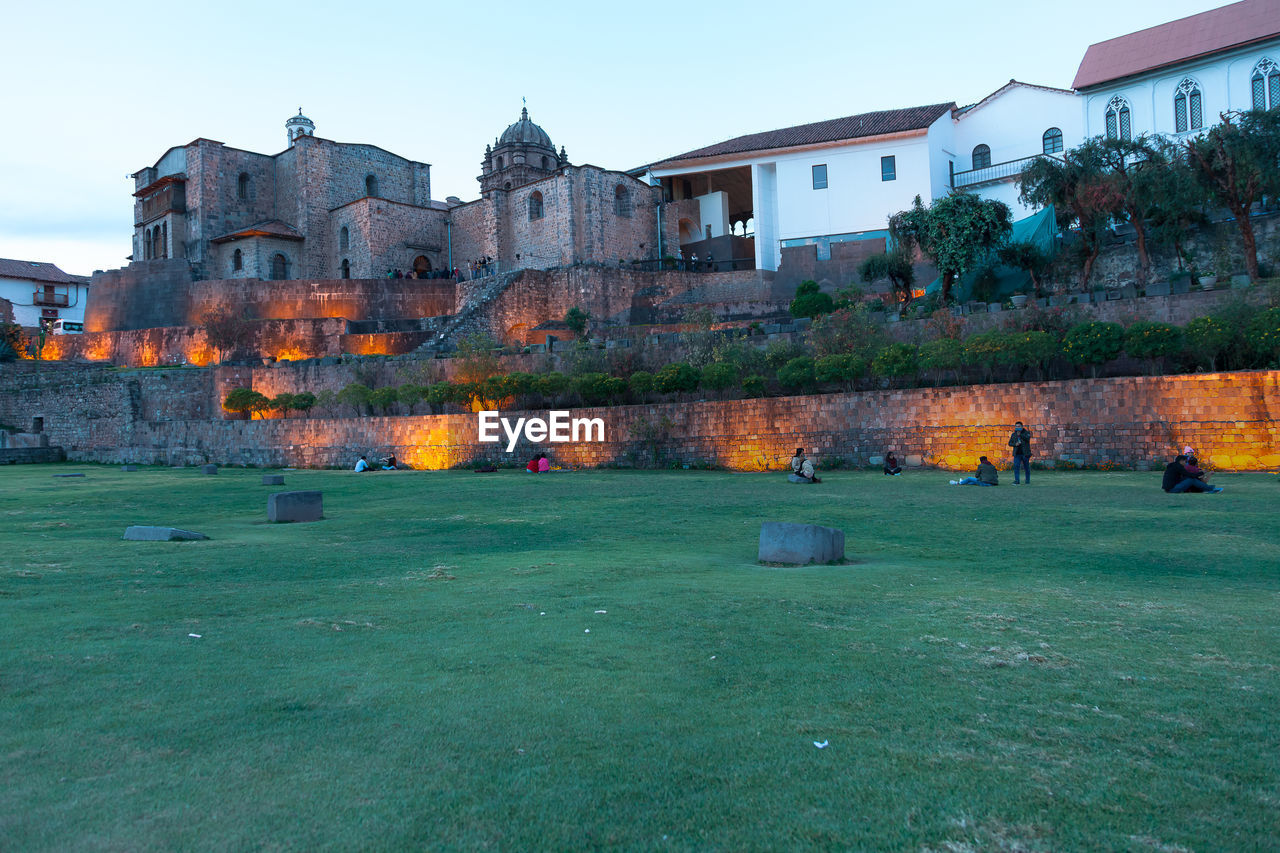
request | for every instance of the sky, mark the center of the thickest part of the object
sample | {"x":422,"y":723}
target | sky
{"x":97,"y":90}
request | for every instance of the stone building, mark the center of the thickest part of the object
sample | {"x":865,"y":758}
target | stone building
{"x":322,"y":209}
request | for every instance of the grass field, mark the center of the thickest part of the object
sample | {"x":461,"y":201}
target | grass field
{"x":1087,"y":663}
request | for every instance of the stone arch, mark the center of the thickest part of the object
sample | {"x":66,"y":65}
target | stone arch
{"x":421,"y":264}
{"x":516,"y":334}
{"x":242,"y":186}
{"x":371,"y":185}
{"x":346,"y":268}
{"x":344,"y":239}
{"x":279,"y":267}
{"x":237,"y":261}
{"x":535,"y":205}
{"x":621,"y":202}
{"x":688,"y":233}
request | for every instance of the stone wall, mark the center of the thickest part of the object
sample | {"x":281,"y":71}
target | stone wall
{"x":1233,"y":420}
{"x":188,"y":345}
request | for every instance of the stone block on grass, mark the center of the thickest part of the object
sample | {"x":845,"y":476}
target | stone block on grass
{"x":295,"y":506}
{"x":799,"y":544}
{"x":208,"y":469}
{"x":273,"y":479}
{"x":914,"y":460}
{"x":68,"y":475}
{"x":145,"y":533}
{"x":128,"y":467}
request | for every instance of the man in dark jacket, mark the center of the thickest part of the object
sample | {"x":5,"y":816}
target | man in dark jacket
{"x":1177,"y":479}
{"x":986,"y":475}
{"x":1020,"y":441}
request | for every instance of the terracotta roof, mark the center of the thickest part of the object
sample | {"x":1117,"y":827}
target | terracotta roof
{"x":1179,"y":41}
{"x":831,"y":130}
{"x":270,"y":228}
{"x":37,"y":271}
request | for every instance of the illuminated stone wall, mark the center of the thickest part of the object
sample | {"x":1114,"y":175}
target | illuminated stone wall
{"x":1233,"y":421}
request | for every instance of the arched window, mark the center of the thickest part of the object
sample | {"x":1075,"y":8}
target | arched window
{"x":546,"y":163}
{"x":344,"y":239}
{"x":622,"y":201}
{"x":499,"y":161}
{"x":279,"y":267}
{"x":164,"y":240}
{"x":146,"y":244}
{"x":371,"y":185}
{"x":535,"y":206}
{"x":507,"y":185}
{"x":1266,"y":85}
{"x":981,"y":156}
{"x":1052,"y":140}
{"x":1119,"y":119}
{"x":1187,"y":112}
{"x":242,"y":186}
{"x":346,"y":268}
{"x":237,"y":261}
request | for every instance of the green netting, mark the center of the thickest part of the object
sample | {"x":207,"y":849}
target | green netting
{"x":1039,"y":228}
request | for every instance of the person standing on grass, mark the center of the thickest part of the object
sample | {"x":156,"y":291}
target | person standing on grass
{"x":1020,"y":441}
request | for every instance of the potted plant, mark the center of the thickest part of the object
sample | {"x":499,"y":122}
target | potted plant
{"x":1019,"y":300}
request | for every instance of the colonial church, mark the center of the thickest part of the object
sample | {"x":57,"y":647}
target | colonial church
{"x":328,"y":210}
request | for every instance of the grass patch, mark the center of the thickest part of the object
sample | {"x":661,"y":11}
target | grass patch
{"x":1087,"y":663}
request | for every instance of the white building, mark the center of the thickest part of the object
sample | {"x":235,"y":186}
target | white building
{"x":1178,"y":78}
{"x":840,"y":180}
{"x":42,"y":292}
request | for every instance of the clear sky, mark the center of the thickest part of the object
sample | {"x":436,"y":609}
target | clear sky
{"x":96,"y":90}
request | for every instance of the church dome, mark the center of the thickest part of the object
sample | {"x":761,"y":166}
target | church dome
{"x":525,"y":132}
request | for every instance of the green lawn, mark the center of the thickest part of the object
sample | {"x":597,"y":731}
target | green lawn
{"x":1087,"y":663}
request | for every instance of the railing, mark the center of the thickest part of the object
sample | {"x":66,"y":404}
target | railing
{"x":57,"y":300}
{"x":997,"y":172}
{"x":681,"y":265}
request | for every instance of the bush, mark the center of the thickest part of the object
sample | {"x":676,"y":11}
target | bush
{"x":410,"y":395}
{"x":943,"y":354}
{"x":676,"y":377}
{"x":719,"y":376}
{"x":355,"y":395}
{"x":576,"y":319}
{"x":843,"y":369}
{"x":11,"y":342}
{"x":641,"y":382}
{"x":797,"y":373}
{"x":245,"y":401}
{"x":553,"y":384}
{"x":1207,"y":340}
{"x":987,"y":350}
{"x":384,"y":398}
{"x":810,"y":302}
{"x":1093,"y":343}
{"x":896,"y":360}
{"x":1031,"y":349}
{"x":594,"y":388}
{"x":753,"y":385}
{"x":1152,"y":340}
{"x":846,"y":330}
{"x":1263,"y":336}
{"x":779,"y":353}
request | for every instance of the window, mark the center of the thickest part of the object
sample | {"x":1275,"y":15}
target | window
{"x":820,"y":176}
{"x":1265,"y":85}
{"x":499,"y":161}
{"x":237,"y":261}
{"x":346,"y":268}
{"x":1187,"y":112}
{"x":888,"y":168}
{"x":371,"y":185}
{"x":535,"y":206}
{"x":621,"y":202}
{"x":1119,"y":119}
{"x":242,"y":186}
{"x":982,"y":157}
{"x":1052,"y":141}
{"x":546,"y":164}
{"x":344,"y":239}
{"x":146,"y":244}
{"x":279,"y":267}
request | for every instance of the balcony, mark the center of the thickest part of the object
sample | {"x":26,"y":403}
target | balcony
{"x":995,"y":172}
{"x":168,"y":198}
{"x":46,"y":297}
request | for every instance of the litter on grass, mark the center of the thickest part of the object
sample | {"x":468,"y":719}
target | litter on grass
{"x":197,"y":636}
{"x":822,"y":745}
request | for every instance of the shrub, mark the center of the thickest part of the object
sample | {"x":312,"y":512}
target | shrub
{"x":719,"y":376}
{"x":553,"y":384}
{"x":245,"y":401}
{"x":987,"y":350}
{"x":1029,"y":257}
{"x":896,"y":360}
{"x":11,"y":342}
{"x":355,"y":395}
{"x":943,"y":354}
{"x":641,"y":382}
{"x":779,"y":353}
{"x":1093,"y":343}
{"x":439,"y":394}
{"x":676,"y":377}
{"x":576,"y":319}
{"x":594,"y":388}
{"x":1207,"y":339}
{"x":810,"y":302}
{"x":383,"y":399}
{"x":304,"y":401}
{"x":896,"y":267}
{"x":846,"y":330}
{"x":753,"y":385}
{"x":1031,"y":349}
{"x":410,"y":395}
{"x":1152,"y":340}
{"x":797,"y":373}
{"x":844,"y":369}
{"x":494,"y":388}
{"x":1263,"y":336}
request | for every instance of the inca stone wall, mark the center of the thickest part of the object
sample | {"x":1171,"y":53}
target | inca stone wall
{"x":1233,"y":421}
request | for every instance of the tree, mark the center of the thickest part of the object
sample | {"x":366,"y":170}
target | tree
{"x":1081,"y":195}
{"x":576,"y":319}
{"x":1134,"y":167}
{"x":304,"y":401}
{"x":1027,"y":256}
{"x":1236,"y":161}
{"x":383,"y":399}
{"x":476,"y":358}
{"x":282,"y":403}
{"x":894,"y":266}
{"x":12,"y":344}
{"x":246,"y":401}
{"x":719,"y":376}
{"x":676,"y":377}
{"x":356,"y":395}
{"x":1093,"y":344}
{"x":896,"y":361}
{"x":410,"y":394}
{"x":797,"y":373}
{"x":1178,"y":198}
{"x":957,"y":231}
{"x":225,"y":330}
{"x":810,"y":302}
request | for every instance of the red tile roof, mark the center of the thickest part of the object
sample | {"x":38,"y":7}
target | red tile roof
{"x":1178,"y":41}
{"x":37,"y":271}
{"x":832,"y":130}
{"x":270,"y":228}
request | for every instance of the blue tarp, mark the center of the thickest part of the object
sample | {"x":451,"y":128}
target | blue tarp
{"x":1039,"y":228}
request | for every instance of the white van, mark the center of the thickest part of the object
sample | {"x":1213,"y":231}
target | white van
{"x":66,"y":327}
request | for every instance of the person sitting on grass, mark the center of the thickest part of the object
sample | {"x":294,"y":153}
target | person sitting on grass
{"x":891,"y":466}
{"x":389,"y":463}
{"x":802,"y":469}
{"x":1179,"y":477}
{"x":362,"y":465}
{"x":544,"y":464}
{"x":986,"y":475}
{"x":532,"y":467}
